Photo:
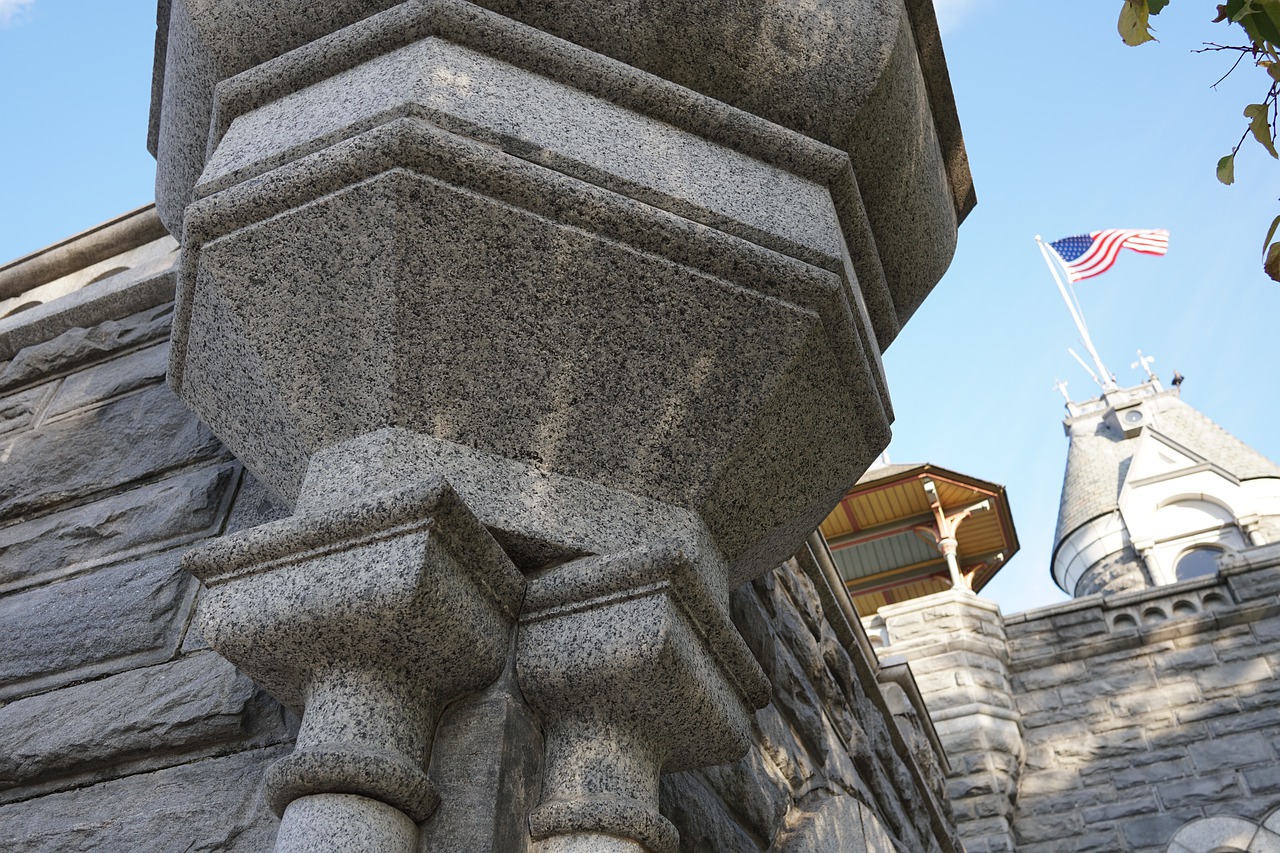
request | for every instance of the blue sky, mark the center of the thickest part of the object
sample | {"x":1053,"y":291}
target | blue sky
{"x":1067,"y":131}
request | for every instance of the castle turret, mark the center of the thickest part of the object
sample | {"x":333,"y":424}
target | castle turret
{"x":1155,"y":493}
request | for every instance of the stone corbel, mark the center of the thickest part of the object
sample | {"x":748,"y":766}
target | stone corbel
{"x":1250,"y":525}
{"x":368,"y":619}
{"x":636,"y":670}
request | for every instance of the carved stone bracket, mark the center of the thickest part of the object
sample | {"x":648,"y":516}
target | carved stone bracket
{"x":368,"y":619}
{"x":636,"y":669}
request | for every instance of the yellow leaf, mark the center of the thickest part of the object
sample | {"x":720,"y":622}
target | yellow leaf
{"x":1260,"y":127}
{"x":1272,"y":263}
{"x":1133,"y":25}
{"x":1271,"y":232}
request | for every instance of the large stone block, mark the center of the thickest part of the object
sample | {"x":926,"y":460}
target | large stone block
{"x":590,"y":355}
{"x":141,"y":719}
{"x":132,"y":437}
{"x":101,"y":382}
{"x":206,"y":806}
{"x":93,"y":624}
{"x":867,"y":78}
{"x":171,"y":511}
{"x":79,"y":344}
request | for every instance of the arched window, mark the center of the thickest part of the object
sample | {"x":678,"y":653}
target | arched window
{"x":1199,"y":561}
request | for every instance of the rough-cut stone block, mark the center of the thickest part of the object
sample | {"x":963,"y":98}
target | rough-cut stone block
{"x":552,"y":295}
{"x":1183,"y":660}
{"x":141,"y":719}
{"x":79,"y":345}
{"x":1050,"y":676}
{"x":1155,"y":830}
{"x":93,"y":624}
{"x":1263,"y":780}
{"x":17,"y":411}
{"x":1199,"y":791}
{"x":1143,"y":804}
{"x":1049,"y":827}
{"x":1265,"y":717}
{"x":133,"y":437}
{"x":837,"y":823}
{"x":111,"y":379}
{"x":1048,"y":782}
{"x":1234,"y":675}
{"x":753,"y":790}
{"x":1208,"y":709}
{"x":1232,"y":752}
{"x":702,"y":818}
{"x":206,"y":806}
{"x":173,"y":510}
{"x":1174,"y":768}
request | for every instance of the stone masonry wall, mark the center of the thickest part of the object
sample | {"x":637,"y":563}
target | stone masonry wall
{"x":824,"y":774}
{"x":955,"y":643}
{"x":1145,"y":711}
{"x":121,"y":731}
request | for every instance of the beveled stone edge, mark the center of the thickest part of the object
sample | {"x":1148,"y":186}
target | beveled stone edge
{"x":618,"y":816}
{"x":93,"y":245}
{"x":417,"y":146}
{"x":412,"y":509}
{"x":514,"y":147}
{"x":532,"y":50}
{"x":540,"y":53}
{"x":942,"y":104}
{"x":599,"y":581}
{"x":344,"y":768}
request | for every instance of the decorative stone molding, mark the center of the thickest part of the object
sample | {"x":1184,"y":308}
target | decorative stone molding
{"x":664,"y":683}
{"x":367,"y":619}
{"x":631,"y":313}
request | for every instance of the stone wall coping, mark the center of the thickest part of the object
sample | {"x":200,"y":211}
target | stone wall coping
{"x":1150,"y":635}
{"x":1114,"y":601}
{"x":110,"y":299}
{"x":929,"y":602}
{"x":124,"y":232}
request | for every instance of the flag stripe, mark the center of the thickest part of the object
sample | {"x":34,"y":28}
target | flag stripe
{"x":1087,"y":255}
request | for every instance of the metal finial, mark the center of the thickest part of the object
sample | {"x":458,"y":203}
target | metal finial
{"x":1146,"y":361}
{"x":1061,"y":387}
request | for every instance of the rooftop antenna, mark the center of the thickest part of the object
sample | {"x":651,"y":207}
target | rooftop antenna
{"x":1107,"y":382}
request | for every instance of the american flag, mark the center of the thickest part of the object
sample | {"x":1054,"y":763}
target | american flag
{"x":1087,"y":255}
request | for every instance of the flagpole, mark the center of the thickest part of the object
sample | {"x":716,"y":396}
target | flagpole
{"x":1106,"y":381}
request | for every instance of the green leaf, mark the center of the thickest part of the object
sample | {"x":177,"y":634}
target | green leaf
{"x":1260,"y":127}
{"x":1271,"y":232}
{"x":1133,"y":26}
{"x":1227,"y":169}
{"x":1156,"y":5}
{"x":1272,"y":263}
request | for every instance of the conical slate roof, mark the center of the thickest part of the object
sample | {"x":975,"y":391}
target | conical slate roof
{"x":1099,"y":456}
